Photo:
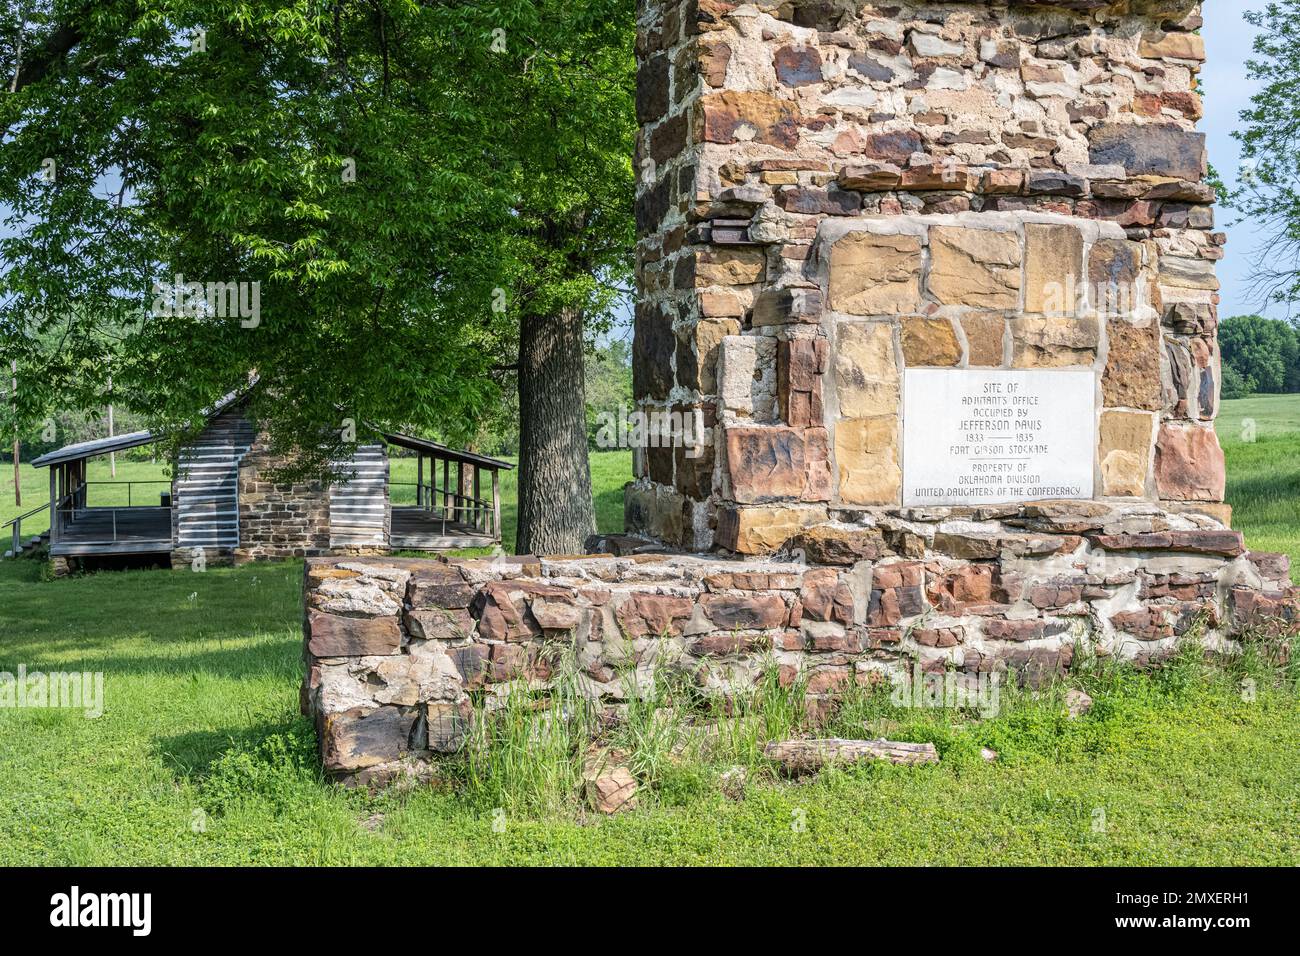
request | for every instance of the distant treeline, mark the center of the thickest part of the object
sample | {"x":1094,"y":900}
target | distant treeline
{"x":1259,"y":355}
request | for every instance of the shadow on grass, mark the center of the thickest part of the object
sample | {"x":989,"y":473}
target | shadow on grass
{"x":167,"y":611}
{"x":235,"y":752}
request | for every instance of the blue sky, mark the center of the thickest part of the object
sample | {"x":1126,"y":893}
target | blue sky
{"x":1227,"y":92}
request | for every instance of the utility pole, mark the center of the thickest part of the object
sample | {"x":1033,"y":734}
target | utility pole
{"x":18,"y":475}
{"x":112,"y":455}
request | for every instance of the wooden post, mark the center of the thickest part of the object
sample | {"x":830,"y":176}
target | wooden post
{"x":478,"y":495}
{"x":54,"y":504}
{"x":496,"y":505}
{"x":419,"y":479}
{"x":446,"y":489}
{"x":462,"y":489}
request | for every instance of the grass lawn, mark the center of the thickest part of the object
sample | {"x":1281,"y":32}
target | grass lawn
{"x":1261,"y":442}
{"x":200,"y":755}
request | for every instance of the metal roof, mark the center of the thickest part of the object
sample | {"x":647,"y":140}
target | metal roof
{"x":96,"y":446}
{"x":102,"y":446}
{"x":443,"y":451}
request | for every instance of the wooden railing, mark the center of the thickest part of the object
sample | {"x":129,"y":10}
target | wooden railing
{"x":17,"y":525}
{"x":448,"y":503}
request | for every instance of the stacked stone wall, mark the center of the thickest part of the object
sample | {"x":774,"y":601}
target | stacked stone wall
{"x":776,"y":140}
{"x":403,"y":653}
{"x":279,"y":519}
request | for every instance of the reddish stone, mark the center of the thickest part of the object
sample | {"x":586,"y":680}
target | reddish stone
{"x":876,"y":637}
{"x":825,"y":598}
{"x":774,"y":122}
{"x":773,"y":463}
{"x":1055,"y":594}
{"x":903,"y":574}
{"x":1225,"y":542}
{"x":1146,"y":624}
{"x":654,"y":615}
{"x":507,"y":662}
{"x":798,"y":65}
{"x":839,"y":642}
{"x":842,"y":546}
{"x":971,"y":588}
{"x":724,"y":643}
{"x":1189,"y":463}
{"x":938,"y":636}
{"x":999,"y":629}
{"x":827,"y":679}
{"x":435,"y":623}
{"x":471,"y":661}
{"x":890,"y":606}
{"x":363,"y":737}
{"x":335,"y":636}
{"x":759,"y":611}
{"x":894,"y":147}
{"x":1273,"y":567}
{"x":1265,"y":612}
{"x":714,"y":58}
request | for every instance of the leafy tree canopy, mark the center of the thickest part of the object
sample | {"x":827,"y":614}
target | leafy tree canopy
{"x":1264,"y":353}
{"x":388,"y":185}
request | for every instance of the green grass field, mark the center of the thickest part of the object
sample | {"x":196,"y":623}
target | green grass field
{"x":200,"y":755}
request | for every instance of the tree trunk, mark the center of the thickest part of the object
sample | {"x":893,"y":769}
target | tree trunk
{"x":555,"y":509}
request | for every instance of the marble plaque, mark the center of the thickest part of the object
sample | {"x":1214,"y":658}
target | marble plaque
{"x":990,"y":436}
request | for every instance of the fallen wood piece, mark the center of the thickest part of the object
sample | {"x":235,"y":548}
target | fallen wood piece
{"x":809,"y":756}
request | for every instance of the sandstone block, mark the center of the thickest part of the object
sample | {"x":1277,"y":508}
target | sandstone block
{"x":875,"y":275}
{"x":1053,"y":269}
{"x":728,"y":116}
{"x":363,"y":737}
{"x":728,"y":266}
{"x":1132,"y":375}
{"x":750,"y":612}
{"x":438,"y":623}
{"x":867,"y":453}
{"x":976,"y":267}
{"x":866,"y":371}
{"x":763,"y":530}
{"x":1124,"y":452}
{"x":829,"y":544}
{"x":1113,"y":268}
{"x":775,"y":462}
{"x":825,"y":598}
{"x":930,"y":342}
{"x":334,"y":636}
{"x":1054,"y":342}
{"x":1149,"y":149}
{"x":697,"y":354}
{"x":985,"y":335}
{"x":747,"y":376}
{"x":654,"y":615}
{"x":1173,"y":46}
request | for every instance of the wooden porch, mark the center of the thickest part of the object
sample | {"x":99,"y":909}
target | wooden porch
{"x":454,"y":503}
{"x":105,"y":517}
{"x":137,"y":530}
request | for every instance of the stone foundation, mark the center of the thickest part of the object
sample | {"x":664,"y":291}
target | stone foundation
{"x":397,"y":649}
